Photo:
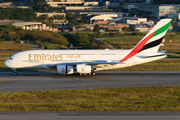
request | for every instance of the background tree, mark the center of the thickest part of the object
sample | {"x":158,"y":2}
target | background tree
{"x":81,"y":39}
{"x":47,"y":36}
{"x":17,"y":13}
{"x":126,"y":29}
{"x":96,"y":28}
{"x":16,"y":37}
{"x":11,"y":34}
{"x":48,"y":24}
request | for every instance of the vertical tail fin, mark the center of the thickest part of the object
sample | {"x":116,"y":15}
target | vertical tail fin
{"x":151,"y":42}
{"x":156,"y":36}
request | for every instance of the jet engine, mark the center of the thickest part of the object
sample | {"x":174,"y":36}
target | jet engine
{"x":65,"y":69}
{"x":83,"y":68}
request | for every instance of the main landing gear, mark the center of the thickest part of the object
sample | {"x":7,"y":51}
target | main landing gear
{"x":84,"y":74}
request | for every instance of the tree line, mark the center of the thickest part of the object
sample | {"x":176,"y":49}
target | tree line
{"x":12,"y":33}
{"x":84,"y":40}
{"x":73,"y":20}
{"x":17,"y":13}
{"x":37,"y":5}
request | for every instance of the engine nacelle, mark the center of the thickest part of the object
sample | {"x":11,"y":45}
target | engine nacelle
{"x":63,"y":69}
{"x":83,"y":68}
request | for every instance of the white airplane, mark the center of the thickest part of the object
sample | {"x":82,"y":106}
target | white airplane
{"x":86,"y":62}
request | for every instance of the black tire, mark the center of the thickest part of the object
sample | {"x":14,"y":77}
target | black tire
{"x":15,"y":73}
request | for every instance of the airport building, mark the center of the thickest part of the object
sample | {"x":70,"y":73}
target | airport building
{"x":101,"y":18}
{"x":132,"y":20}
{"x":173,"y":15}
{"x":29,"y":25}
{"x":160,"y":10}
{"x":74,"y":4}
{"x":110,"y":14}
{"x":166,"y":9}
{"x":50,"y":14}
{"x":33,"y":26}
{"x":62,"y":3}
{"x":157,"y":10}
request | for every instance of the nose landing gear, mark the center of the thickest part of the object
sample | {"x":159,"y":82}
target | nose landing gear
{"x":15,"y":72}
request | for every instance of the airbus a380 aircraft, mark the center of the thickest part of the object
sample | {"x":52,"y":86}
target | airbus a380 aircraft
{"x":88,"y":61}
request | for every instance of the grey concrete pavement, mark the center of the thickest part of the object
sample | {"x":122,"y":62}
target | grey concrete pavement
{"x":94,"y":115}
{"x":37,"y":81}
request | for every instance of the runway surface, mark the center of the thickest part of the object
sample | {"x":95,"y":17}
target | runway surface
{"x":108,"y":115}
{"x":40,"y":81}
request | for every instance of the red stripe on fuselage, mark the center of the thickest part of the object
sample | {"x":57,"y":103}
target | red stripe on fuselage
{"x":137,"y":48}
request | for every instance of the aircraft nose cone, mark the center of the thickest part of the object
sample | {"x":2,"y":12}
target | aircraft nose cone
{"x":8,"y":64}
{"x":5,"y":63}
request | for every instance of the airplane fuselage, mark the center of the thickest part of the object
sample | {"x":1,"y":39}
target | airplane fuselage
{"x":41,"y":59}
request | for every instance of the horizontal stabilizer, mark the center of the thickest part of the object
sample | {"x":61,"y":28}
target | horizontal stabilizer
{"x":151,"y":56}
{"x":162,"y":51}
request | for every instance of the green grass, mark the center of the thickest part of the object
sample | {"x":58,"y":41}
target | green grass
{"x":6,"y":55}
{"x":15,"y":46}
{"x":54,"y":46}
{"x":161,"y":65}
{"x":130,"y":42}
{"x":114,"y":99}
{"x":123,"y":42}
{"x":173,"y":55}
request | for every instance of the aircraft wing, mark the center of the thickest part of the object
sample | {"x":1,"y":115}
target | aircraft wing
{"x":97,"y":62}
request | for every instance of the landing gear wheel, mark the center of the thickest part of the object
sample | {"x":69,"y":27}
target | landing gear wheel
{"x":15,"y":73}
{"x":80,"y":74}
{"x":93,"y":73}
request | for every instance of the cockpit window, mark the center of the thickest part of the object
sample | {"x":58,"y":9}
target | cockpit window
{"x":10,"y":58}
